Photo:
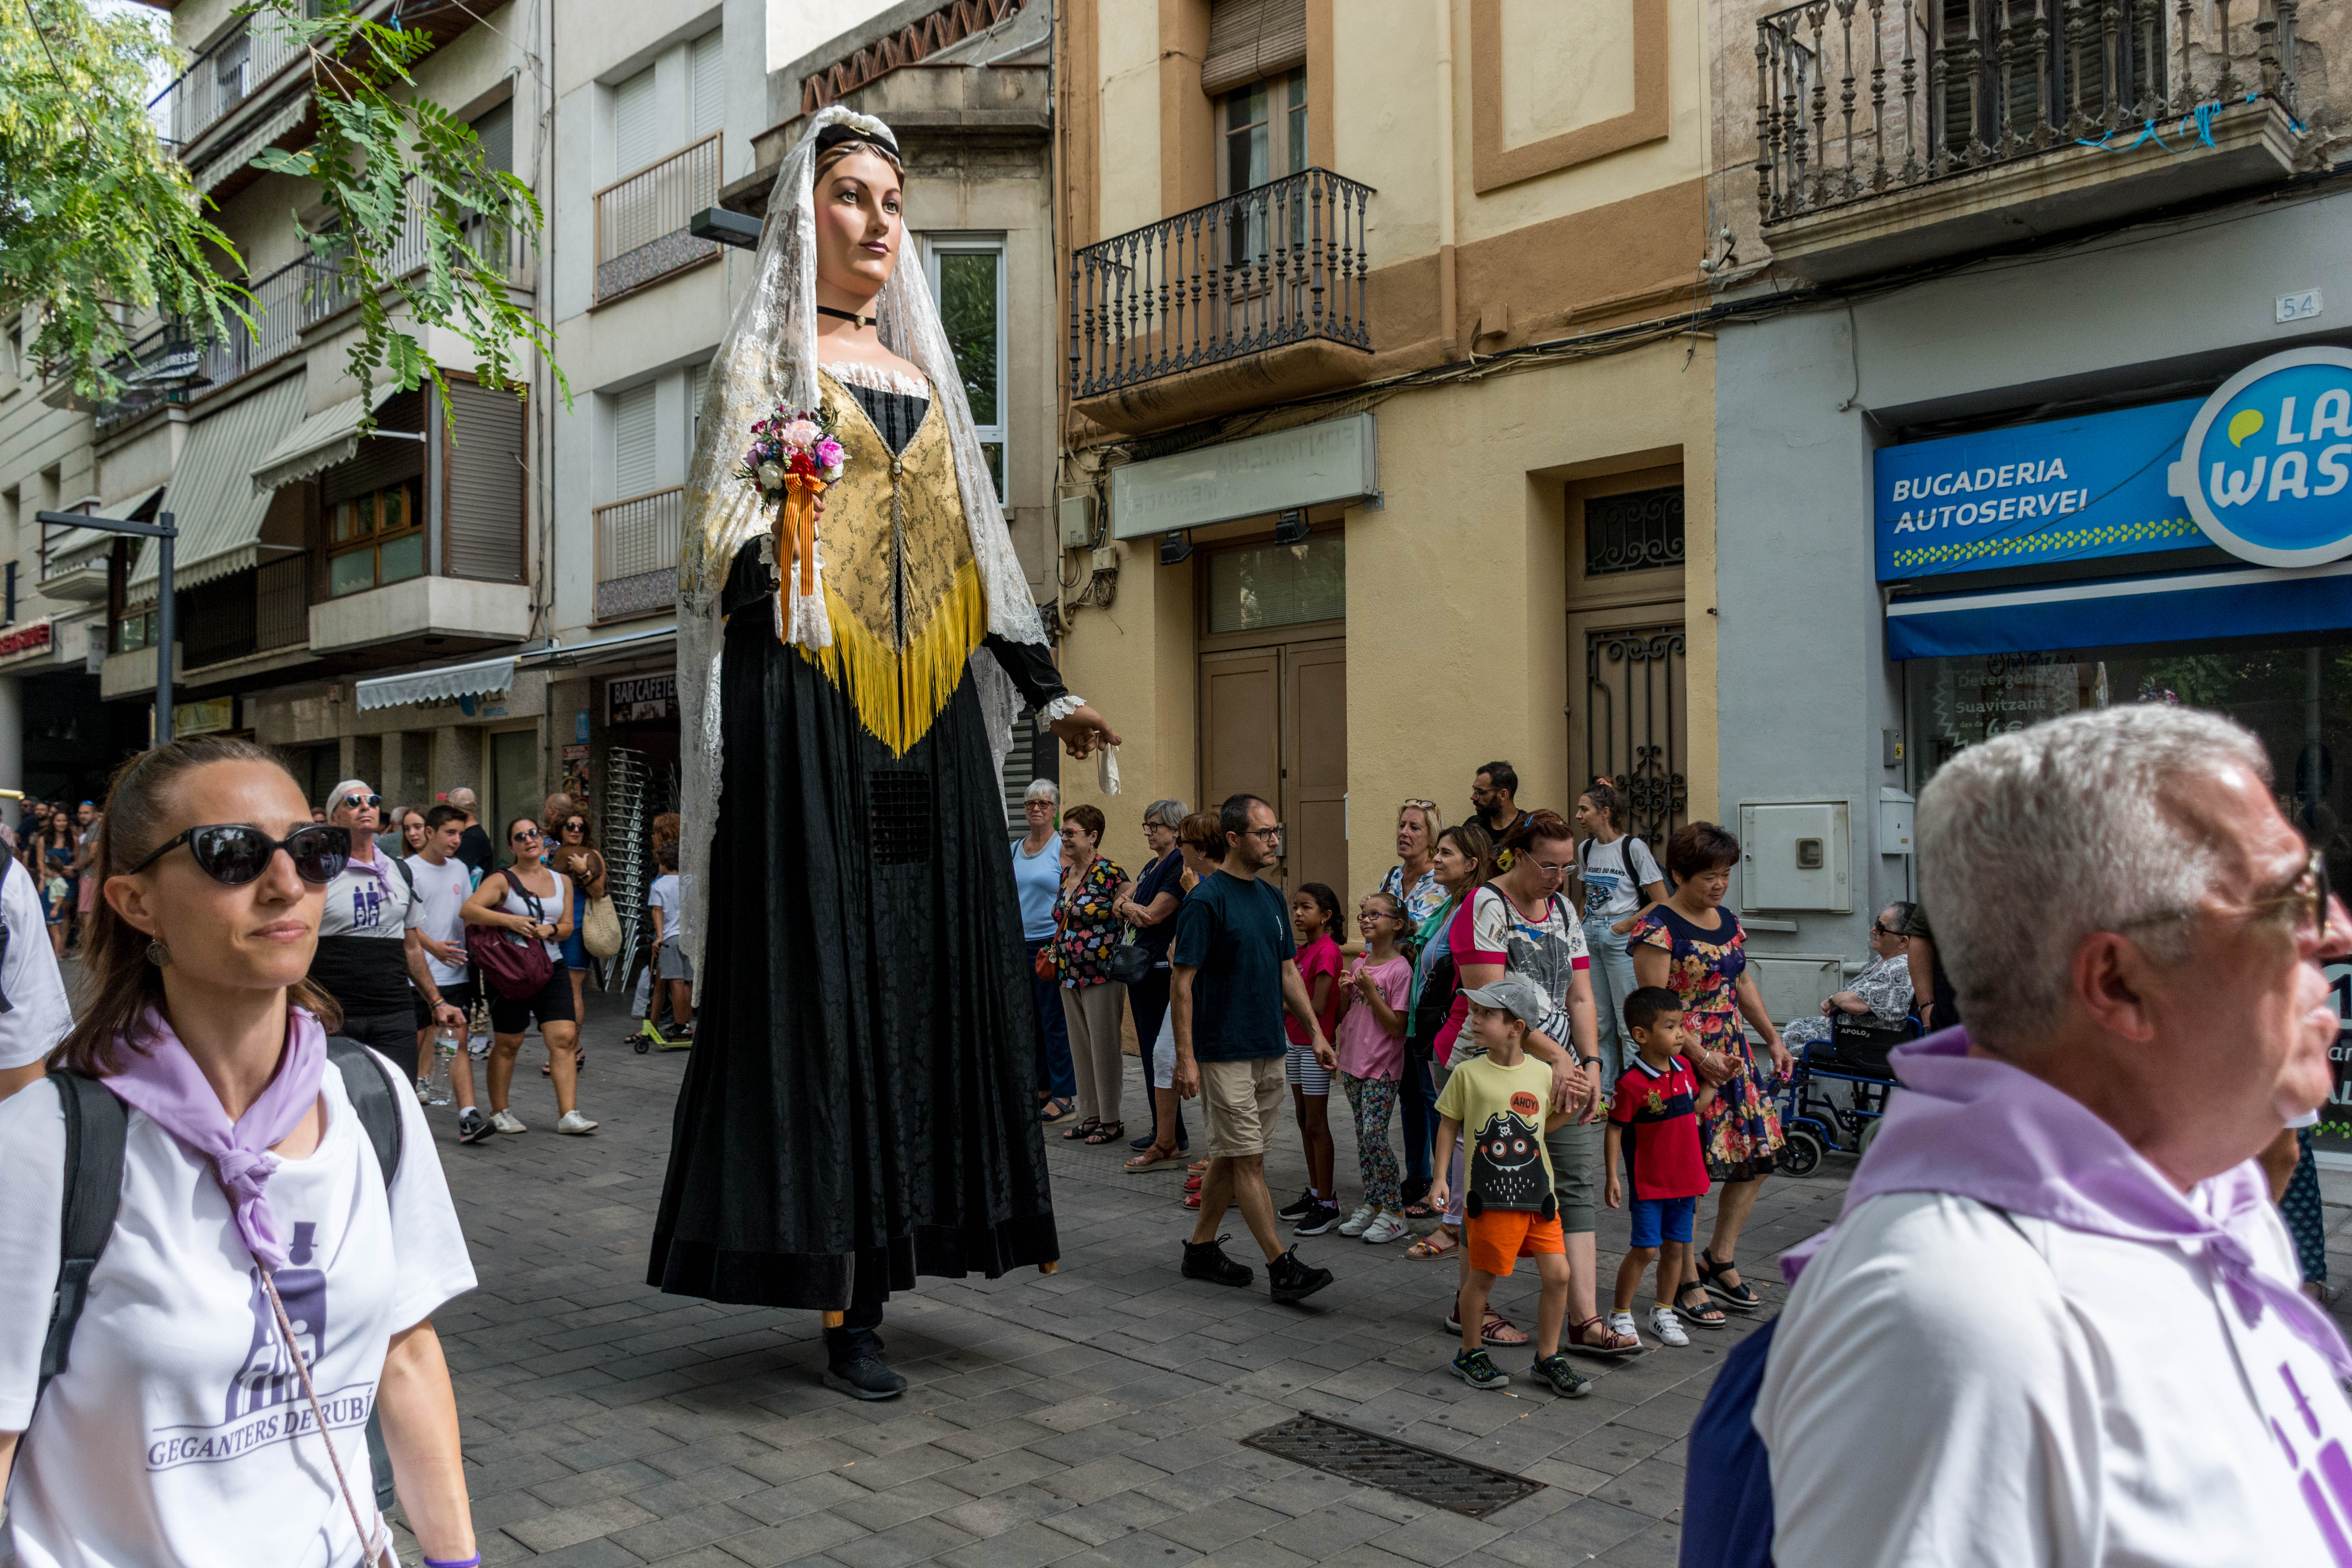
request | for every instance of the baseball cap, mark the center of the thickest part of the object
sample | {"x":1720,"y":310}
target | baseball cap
{"x":1517,"y":994}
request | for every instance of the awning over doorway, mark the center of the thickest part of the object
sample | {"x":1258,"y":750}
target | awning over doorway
{"x":483,"y":678}
{"x":317,"y":442}
{"x":214,"y":503}
{"x":2258,"y":601}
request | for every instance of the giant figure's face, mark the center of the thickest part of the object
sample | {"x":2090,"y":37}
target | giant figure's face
{"x":858,"y":225}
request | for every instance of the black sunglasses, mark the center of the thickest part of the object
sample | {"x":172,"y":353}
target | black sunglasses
{"x":234,"y":853}
{"x":523,"y":837}
{"x":373,"y":801}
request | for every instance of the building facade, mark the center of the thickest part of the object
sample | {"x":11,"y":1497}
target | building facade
{"x":1389,"y":448}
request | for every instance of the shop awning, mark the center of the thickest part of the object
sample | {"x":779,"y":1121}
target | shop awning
{"x":281,"y":120}
{"x":483,"y":678}
{"x":2254,"y":601}
{"x":67,"y":544}
{"x":319,"y":442}
{"x":214,"y":502}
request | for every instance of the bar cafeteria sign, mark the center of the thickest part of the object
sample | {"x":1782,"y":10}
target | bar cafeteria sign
{"x":636,"y":699}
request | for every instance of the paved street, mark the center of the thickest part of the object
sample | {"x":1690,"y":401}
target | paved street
{"x":1090,"y":1418}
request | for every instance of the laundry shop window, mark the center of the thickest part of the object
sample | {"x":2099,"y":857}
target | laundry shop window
{"x":374,"y":539}
{"x":1261,"y":587}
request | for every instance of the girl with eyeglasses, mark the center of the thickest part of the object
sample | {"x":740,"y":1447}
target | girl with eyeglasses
{"x":185,"y":1425}
{"x":527,"y":900}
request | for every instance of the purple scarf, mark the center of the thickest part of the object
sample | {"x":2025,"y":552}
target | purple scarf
{"x":164,"y":1083}
{"x":1978,"y":1127}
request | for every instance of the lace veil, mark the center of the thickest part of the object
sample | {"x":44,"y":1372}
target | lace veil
{"x":769,"y":355}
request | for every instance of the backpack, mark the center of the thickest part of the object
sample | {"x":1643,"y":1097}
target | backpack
{"x":1728,"y":1518}
{"x":96,"y":1123}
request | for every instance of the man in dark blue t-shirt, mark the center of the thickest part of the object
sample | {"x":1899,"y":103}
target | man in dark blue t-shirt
{"x":1235,"y":969}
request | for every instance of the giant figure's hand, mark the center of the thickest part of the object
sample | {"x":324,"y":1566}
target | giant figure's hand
{"x":1082,"y":730}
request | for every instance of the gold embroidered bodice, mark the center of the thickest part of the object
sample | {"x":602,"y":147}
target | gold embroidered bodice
{"x":902,"y":591}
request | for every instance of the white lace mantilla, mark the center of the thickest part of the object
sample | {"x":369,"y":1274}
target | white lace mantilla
{"x":879,"y":378}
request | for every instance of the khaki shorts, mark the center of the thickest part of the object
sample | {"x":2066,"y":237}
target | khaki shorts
{"x":1241,"y":1101}
{"x":1575,"y":1148}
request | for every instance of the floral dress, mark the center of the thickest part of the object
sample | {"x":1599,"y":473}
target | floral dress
{"x":1424,"y":898}
{"x":1741,"y":1132}
{"x":1088,"y":928}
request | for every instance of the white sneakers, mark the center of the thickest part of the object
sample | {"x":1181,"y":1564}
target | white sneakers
{"x":1386,"y":1227}
{"x":1622,"y":1324}
{"x":1354,"y":1223}
{"x":1665,"y":1325}
{"x":575,"y":1123}
{"x":507,"y":1121}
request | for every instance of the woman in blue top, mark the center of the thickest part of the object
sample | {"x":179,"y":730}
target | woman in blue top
{"x":1151,"y":910}
{"x":1037,"y":876}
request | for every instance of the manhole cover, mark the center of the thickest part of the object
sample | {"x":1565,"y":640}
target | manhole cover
{"x":1421,"y":1474}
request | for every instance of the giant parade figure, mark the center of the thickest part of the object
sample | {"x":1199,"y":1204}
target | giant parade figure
{"x":855,"y":636}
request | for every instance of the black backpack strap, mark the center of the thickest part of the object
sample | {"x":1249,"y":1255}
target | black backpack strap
{"x":94,"y":1125}
{"x":370,"y":1089}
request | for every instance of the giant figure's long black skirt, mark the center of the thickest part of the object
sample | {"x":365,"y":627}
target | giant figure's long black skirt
{"x":860,"y":1094}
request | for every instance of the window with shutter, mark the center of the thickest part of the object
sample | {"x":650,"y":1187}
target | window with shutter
{"x":707,"y":96}
{"x":636,"y":140}
{"x":496,"y":132}
{"x":1251,"y":39}
{"x":633,"y":442}
{"x":488,"y":472}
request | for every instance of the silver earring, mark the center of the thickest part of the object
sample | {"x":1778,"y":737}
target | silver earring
{"x":158,"y":955}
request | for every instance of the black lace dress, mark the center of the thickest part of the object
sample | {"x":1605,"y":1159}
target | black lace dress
{"x":858,"y":1109}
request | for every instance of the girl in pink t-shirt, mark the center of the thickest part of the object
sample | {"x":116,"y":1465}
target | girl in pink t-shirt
{"x":1370,"y":1043}
{"x":1313,"y":911}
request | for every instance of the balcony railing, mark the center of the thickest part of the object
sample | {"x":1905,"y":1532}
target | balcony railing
{"x":641,"y":220}
{"x":637,"y":554}
{"x":1859,"y":98}
{"x":226,"y":75}
{"x":1278,"y":263}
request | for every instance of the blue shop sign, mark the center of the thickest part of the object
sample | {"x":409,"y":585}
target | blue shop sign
{"x":2072,"y":489}
{"x":2265,"y":466}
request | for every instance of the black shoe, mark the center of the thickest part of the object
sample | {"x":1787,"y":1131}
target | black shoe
{"x":855,"y":1366}
{"x":1207,"y":1260}
{"x":473,"y":1127}
{"x":1141,"y":1144}
{"x":1294,"y":1280}
{"x":1318,"y":1220}
{"x":1306,"y":1201}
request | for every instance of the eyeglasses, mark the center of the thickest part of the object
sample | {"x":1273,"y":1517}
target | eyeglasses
{"x":1267,"y":833}
{"x":1550,"y":868}
{"x":352,"y":802}
{"x":2306,"y":898}
{"x":528,"y":836}
{"x":1880,"y":929}
{"x":1418,"y":806}
{"x":234,"y":853}
{"x":575,"y":825}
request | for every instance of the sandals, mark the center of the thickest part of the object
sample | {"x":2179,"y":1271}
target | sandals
{"x":1738,"y":1297}
{"x":1438,"y":1242}
{"x":1055,"y":1109}
{"x":1697,"y":1307}
{"x":1084,"y":1130}
{"x":1106,"y":1133}
{"x":1419,"y":1210}
{"x":1151,"y":1159}
{"x":1607,"y":1343}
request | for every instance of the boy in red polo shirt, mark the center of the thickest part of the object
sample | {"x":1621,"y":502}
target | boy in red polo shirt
{"x":1654,"y":1122}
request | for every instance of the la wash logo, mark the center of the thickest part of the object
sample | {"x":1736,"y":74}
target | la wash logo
{"x":2265,"y":464}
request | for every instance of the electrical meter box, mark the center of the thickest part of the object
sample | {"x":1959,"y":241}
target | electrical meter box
{"x":1895,"y":810}
{"x":1794,"y":856}
{"x":1077,"y":518}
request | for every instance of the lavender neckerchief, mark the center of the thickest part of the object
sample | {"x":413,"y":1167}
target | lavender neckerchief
{"x":1978,"y":1127}
{"x":164,"y":1083}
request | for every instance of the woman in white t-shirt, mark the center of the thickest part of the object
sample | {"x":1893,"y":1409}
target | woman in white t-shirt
{"x":219,"y":1336}
{"x":1617,"y":877}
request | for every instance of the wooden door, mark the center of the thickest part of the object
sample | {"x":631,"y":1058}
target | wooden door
{"x":1314,"y":801}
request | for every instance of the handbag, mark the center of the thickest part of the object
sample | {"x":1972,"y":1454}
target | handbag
{"x":517,"y":968}
{"x":600,"y":928}
{"x":1047,"y":964}
{"x":1130,"y":963}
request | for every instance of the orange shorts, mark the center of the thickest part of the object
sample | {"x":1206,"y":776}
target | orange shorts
{"x":1499,"y":1236}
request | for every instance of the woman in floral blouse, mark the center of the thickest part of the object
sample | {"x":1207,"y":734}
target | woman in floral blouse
{"x":1694,"y":947}
{"x":1087,"y":928}
{"x":1881,"y":992}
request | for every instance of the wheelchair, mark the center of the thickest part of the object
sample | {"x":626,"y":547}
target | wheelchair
{"x":1813,"y":1121}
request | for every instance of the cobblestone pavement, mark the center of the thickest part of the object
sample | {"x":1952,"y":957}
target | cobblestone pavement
{"x":1089,"y":1417}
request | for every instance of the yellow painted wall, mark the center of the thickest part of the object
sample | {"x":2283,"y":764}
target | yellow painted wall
{"x":1128,"y":54}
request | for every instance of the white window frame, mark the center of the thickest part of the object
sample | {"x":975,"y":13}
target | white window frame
{"x":936,"y":245}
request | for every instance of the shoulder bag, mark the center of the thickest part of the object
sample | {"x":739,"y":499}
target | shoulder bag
{"x":517,"y":968}
{"x":600,"y":926}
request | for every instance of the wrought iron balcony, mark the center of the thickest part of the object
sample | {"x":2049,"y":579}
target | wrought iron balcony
{"x":225,"y":75}
{"x":641,"y":233}
{"x":1859,"y":101}
{"x":1278,"y":264}
{"x":637,"y":554}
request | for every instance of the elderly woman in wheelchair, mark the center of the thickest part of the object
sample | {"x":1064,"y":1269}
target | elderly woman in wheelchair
{"x":1847,"y":1044}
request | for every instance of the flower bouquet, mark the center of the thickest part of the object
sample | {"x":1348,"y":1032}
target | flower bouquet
{"x":794,"y":454}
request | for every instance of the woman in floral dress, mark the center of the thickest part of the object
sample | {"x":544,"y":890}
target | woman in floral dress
{"x":1694,"y":947}
{"x":1088,"y":915}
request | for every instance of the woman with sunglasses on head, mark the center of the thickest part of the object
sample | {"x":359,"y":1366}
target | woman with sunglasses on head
{"x":1412,"y":880}
{"x":193,"y":1420}
{"x":570,"y":856}
{"x":371,"y":956}
{"x":528,"y":901}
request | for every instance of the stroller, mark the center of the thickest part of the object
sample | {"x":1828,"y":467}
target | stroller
{"x":1813,"y":1121}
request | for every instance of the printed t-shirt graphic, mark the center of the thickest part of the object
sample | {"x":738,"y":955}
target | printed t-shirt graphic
{"x":1501,"y":1110}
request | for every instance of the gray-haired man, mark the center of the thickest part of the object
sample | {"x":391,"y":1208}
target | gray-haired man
{"x":2059,"y":1321}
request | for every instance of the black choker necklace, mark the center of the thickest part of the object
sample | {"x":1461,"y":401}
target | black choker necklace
{"x":848,"y":316}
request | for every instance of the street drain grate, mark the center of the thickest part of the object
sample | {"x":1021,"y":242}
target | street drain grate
{"x":1421,"y":1474}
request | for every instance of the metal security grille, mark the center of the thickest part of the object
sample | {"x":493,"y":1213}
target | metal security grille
{"x":1633,"y":678}
{"x":900,"y":804}
{"x":1421,"y":1474}
{"x":1637,"y":532}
